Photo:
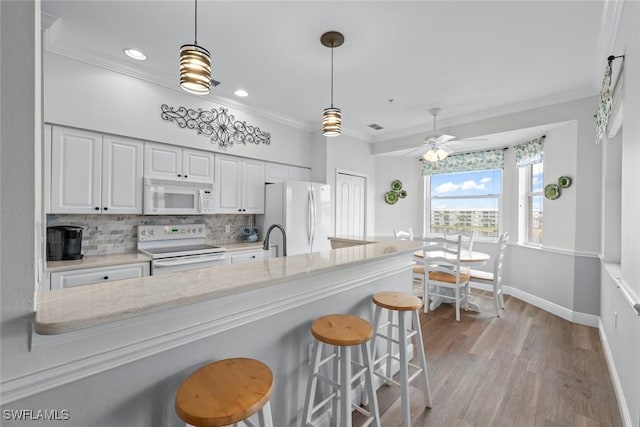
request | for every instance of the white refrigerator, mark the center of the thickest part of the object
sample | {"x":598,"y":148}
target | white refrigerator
{"x":304,"y":210}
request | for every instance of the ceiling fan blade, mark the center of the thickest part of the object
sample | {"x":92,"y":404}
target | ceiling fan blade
{"x":443,"y":138}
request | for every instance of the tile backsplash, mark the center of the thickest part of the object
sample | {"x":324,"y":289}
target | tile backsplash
{"x":116,"y":234}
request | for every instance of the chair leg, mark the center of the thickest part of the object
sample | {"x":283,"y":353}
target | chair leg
{"x":312,"y":383}
{"x":457,"y":294}
{"x":404,"y":371}
{"x":425,"y":295}
{"x":264,"y":416}
{"x":389,"y":345}
{"x":368,"y":384}
{"x":422,"y":360}
{"x":345,"y":386}
{"x":496,"y":299}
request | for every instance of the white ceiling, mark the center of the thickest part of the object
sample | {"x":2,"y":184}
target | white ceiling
{"x":474,"y":59}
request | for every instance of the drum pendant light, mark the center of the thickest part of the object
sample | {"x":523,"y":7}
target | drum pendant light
{"x":195,"y":65}
{"x":332,"y":116}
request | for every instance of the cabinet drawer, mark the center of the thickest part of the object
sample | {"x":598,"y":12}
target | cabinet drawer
{"x":248,"y":256}
{"x":87,"y":276}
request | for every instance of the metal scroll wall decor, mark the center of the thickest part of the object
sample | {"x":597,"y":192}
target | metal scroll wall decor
{"x":221,"y":126}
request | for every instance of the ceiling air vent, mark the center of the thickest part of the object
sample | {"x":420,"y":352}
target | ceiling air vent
{"x":375,"y":126}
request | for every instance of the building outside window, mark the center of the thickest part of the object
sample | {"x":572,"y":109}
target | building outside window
{"x":535,"y":202}
{"x":465,"y":201}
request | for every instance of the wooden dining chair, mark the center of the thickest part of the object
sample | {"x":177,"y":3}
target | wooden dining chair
{"x":418,"y":271}
{"x":494,"y":278}
{"x":444,"y":278}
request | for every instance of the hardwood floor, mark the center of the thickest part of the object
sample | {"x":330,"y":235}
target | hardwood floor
{"x":526,"y":368}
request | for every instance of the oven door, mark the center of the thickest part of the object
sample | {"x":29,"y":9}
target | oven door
{"x":190,"y":262}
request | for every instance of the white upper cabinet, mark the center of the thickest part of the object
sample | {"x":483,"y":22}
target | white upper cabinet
{"x":165,"y":161}
{"x":94,"y":174}
{"x":122,"y":160}
{"x":239,"y":185}
{"x":297,"y":173}
{"x":277,"y":172}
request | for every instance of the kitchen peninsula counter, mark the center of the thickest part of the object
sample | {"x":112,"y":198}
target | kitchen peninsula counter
{"x":262,"y":282}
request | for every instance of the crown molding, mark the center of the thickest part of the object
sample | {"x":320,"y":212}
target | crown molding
{"x":584,"y":92}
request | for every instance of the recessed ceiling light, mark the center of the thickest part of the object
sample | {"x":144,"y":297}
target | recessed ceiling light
{"x":241,"y":92}
{"x":135,"y":54}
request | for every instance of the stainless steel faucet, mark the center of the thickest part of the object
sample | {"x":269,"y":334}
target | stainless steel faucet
{"x":265,"y":246}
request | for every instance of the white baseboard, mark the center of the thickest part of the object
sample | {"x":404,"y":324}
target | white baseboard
{"x":553,"y":308}
{"x":615,"y":379}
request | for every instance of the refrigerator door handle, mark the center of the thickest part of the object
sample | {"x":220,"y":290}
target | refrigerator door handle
{"x":309,"y":219}
{"x":313,"y":218}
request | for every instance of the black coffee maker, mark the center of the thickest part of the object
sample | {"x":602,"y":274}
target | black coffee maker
{"x":64,"y":242}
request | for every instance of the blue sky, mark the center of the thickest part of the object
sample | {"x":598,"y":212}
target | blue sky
{"x":476,"y":183}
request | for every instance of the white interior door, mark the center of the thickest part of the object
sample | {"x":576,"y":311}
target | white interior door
{"x":351,"y":191}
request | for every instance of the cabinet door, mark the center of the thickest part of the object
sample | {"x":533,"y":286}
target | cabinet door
{"x":197,"y":165}
{"x":76,"y":161}
{"x":162,"y":161}
{"x":121,"y":175}
{"x":228,"y":172}
{"x":297,"y":173}
{"x":252,"y":186}
{"x":275,"y":172}
{"x":247,"y":256}
{"x":88,"y":276}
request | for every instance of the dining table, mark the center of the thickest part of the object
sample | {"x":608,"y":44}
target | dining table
{"x":468,"y":259}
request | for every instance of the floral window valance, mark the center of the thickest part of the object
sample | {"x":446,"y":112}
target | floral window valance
{"x":604,"y":105}
{"x":479,"y":160}
{"x":530,"y":152}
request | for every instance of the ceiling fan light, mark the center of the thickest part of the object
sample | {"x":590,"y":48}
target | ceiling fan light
{"x":434,"y":155}
{"x":331,"y":121}
{"x":195,"y":69}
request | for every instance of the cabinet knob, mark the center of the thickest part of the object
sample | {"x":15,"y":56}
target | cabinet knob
{"x":185,"y":176}
{"x":179,"y":175}
{"x":105,"y":208}
{"x":253,"y":256}
{"x":106,"y":277}
{"x":97,"y":208}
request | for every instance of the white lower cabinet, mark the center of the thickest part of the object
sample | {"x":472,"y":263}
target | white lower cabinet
{"x":251,"y":255}
{"x":88,"y":276}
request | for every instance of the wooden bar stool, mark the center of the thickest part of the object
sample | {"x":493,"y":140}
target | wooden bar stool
{"x":226,"y":392}
{"x":400,"y":303}
{"x":343,"y":332}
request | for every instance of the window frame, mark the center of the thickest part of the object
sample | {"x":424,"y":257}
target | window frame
{"x":529,"y":195}
{"x":426,"y":226}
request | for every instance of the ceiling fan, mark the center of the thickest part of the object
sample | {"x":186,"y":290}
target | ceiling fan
{"x":436,"y":148}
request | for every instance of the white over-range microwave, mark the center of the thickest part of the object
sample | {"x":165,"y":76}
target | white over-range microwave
{"x":168,"y":197}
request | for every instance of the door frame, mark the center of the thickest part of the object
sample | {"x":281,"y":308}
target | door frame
{"x":335,"y":196}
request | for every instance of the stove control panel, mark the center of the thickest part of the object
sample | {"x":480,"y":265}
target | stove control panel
{"x":171,"y":232}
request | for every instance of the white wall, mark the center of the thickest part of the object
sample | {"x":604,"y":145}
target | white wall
{"x":407,"y":212}
{"x":85,"y":96}
{"x":620,"y":324}
{"x":350,"y":154}
{"x":20,"y":130}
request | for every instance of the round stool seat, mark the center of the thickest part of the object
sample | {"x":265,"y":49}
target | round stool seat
{"x":341,"y":329}
{"x":398,"y":301}
{"x":224,"y":392}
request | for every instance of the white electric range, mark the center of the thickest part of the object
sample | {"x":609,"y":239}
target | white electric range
{"x":178,"y":248}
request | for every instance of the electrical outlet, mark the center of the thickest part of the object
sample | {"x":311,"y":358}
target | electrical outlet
{"x":227,"y":228}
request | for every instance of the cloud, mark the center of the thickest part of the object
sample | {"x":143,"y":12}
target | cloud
{"x":467,"y":185}
{"x":485,"y":179}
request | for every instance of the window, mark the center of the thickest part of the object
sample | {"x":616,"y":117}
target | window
{"x":535,"y":205}
{"x":465,"y":201}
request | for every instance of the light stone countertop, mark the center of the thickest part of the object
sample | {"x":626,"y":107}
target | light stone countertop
{"x":65,"y":310}
{"x":108,"y":260}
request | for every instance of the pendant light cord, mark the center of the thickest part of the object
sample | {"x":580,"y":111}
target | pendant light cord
{"x":195,"y":35}
{"x":331,"y":74}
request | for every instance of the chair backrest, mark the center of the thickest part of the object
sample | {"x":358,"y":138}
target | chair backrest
{"x":403,"y":235}
{"x":497,"y":265}
{"x":466,"y":235}
{"x":442,"y":254}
